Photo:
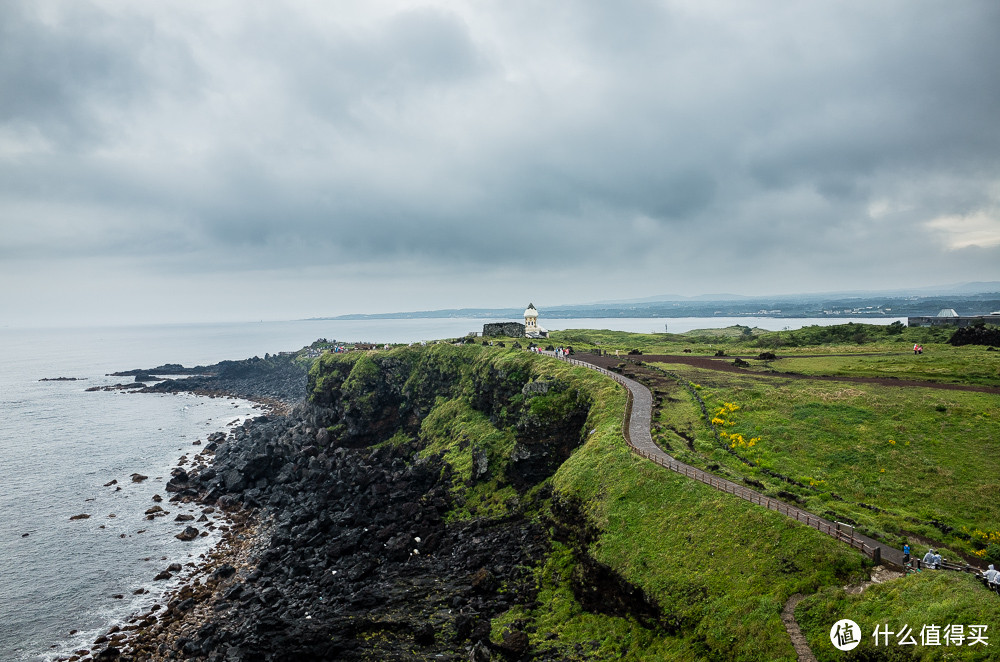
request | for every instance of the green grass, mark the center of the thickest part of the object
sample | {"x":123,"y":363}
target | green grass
{"x":918,"y":453}
{"x":845,"y":338}
{"x":719,"y":568}
{"x":456,"y":431}
{"x":601,"y":637}
{"x":916,"y":601}
{"x":939,"y":363}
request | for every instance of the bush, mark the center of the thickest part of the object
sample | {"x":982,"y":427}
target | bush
{"x":978,"y":334}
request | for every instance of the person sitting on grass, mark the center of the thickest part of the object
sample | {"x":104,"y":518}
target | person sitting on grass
{"x":992,"y":576}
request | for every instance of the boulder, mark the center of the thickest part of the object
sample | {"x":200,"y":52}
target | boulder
{"x":423,"y":634}
{"x":178,"y":482}
{"x":515,"y":642}
{"x":224,"y":571}
{"x":480,"y":463}
{"x":189,"y":533}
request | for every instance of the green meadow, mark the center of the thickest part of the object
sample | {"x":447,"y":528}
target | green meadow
{"x":939,"y":363}
{"x":924,"y":458}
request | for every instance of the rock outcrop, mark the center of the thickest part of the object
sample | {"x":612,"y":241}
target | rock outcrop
{"x":361,"y":554}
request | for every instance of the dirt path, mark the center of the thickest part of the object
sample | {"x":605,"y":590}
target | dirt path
{"x":725,"y":364}
{"x":794,"y":633}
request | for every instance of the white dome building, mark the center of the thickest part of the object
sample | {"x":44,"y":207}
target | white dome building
{"x":531,"y":328}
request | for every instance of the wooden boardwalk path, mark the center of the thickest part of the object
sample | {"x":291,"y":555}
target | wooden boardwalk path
{"x":636,"y":430}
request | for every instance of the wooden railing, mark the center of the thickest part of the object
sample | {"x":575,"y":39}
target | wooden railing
{"x":661,"y":458}
{"x":776,"y":505}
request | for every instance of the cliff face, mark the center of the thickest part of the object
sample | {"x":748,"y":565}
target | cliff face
{"x":406,"y":508}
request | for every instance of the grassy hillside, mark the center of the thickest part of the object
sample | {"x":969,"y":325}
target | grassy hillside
{"x":645,"y":564}
{"x":917,"y":603}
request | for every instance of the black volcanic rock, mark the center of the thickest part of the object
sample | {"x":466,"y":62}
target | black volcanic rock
{"x":357,"y":537}
{"x":189,"y":533}
{"x":977,"y":334}
{"x":357,"y":557}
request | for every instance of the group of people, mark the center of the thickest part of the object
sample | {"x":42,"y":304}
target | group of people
{"x":918,"y":349}
{"x":560,"y":352}
{"x":932,"y":560}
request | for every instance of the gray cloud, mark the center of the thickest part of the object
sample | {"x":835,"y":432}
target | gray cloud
{"x":712,"y":146}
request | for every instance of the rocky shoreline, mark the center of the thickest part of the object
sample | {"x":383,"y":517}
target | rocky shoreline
{"x":332,"y":552}
{"x":275,"y":380}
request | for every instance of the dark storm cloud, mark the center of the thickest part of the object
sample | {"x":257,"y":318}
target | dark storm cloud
{"x":827,"y":142}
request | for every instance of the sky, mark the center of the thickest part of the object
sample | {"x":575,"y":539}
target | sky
{"x":227,"y":161}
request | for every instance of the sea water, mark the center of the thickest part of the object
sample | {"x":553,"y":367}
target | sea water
{"x":60,"y":445}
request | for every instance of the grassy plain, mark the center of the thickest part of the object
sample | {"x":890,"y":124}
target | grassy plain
{"x":921,"y":456}
{"x":939,"y":363}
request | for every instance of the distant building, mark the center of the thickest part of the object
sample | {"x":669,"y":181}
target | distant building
{"x":529,"y":329}
{"x":948,"y":317}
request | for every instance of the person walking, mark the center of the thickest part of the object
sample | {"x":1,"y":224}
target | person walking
{"x":906,"y":554}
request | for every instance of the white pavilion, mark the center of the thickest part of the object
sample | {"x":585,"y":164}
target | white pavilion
{"x":531,"y":328}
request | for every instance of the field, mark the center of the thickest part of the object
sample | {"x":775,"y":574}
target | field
{"x":921,"y":456}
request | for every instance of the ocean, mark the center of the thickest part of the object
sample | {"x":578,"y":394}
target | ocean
{"x":65,"y":581}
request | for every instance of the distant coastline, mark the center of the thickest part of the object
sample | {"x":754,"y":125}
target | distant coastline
{"x":780,"y":307}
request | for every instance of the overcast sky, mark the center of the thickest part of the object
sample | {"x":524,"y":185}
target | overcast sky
{"x":212,"y":160}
